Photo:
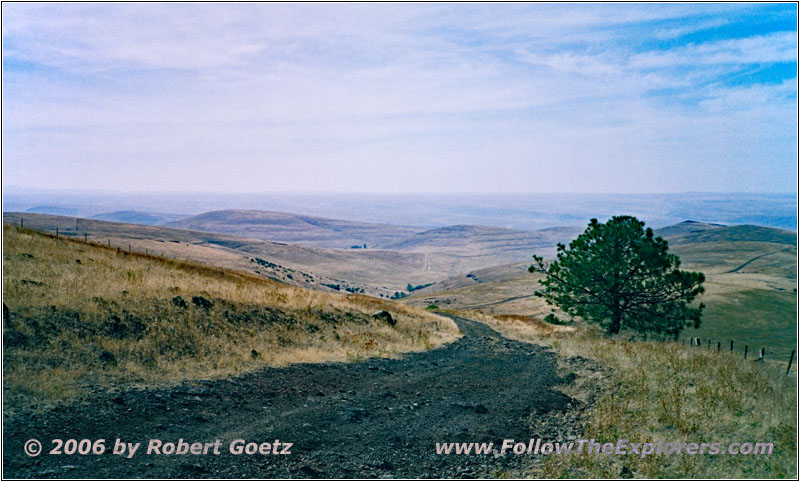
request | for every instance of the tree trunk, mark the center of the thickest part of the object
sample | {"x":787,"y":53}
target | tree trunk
{"x":616,"y":324}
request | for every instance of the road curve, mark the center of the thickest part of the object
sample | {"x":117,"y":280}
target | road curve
{"x":378,"y":418}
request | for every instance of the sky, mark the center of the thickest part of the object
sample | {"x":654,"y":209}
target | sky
{"x":524,"y":98}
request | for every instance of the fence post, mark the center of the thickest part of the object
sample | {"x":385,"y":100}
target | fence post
{"x":84,"y":238}
{"x":719,"y":345}
{"x":731,"y":346}
{"x":791,"y":359}
{"x":745,"y":352}
{"x":709,"y":344}
{"x":21,"y":222}
{"x":56,"y":231}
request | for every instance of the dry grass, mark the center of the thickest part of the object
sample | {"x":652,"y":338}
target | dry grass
{"x":70,"y":302}
{"x":652,"y":391}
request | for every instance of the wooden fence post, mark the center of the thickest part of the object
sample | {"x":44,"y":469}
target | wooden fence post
{"x":731,"y":346}
{"x":719,"y":345}
{"x":745,"y":352}
{"x":84,"y":238}
{"x":709,"y":344}
{"x":791,"y":359}
{"x":21,"y":222}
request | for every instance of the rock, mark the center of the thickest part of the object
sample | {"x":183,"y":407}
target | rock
{"x":6,"y":315}
{"x":179,"y":302}
{"x":254,"y":354}
{"x":78,"y":261}
{"x":108,"y":358}
{"x":201,"y":302}
{"x":481,"y":408}
{"x":385,"y":316}
{"x":626,"y":473}
{"x":118,"y":400}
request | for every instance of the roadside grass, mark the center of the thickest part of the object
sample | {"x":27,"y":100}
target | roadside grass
{"x":651,"y":391}
{"x":83,"y":317}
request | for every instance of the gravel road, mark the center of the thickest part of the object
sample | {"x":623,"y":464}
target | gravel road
{"x":379,"y":418}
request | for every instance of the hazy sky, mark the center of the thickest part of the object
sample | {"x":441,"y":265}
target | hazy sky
{"x":401,"y":97}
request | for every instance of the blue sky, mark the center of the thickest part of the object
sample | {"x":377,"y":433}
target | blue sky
{"x":401,"y":97}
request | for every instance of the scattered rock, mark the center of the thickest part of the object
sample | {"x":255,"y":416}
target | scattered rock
{"x":385,"y":316}
{"x":118,"y":400}
{"x":78,"y":261}
{"x":179,"y":302}
{"x":481,"y":408}
{"x":254,"y":354}
{"x":201,"y":302}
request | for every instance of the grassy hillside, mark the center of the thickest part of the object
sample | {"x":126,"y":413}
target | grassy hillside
{"x":751,"y":282}
{"x":759,"y":318}
{"x":375,"y":271}
{"x":82,"y":316}
{"x":644,"y":392}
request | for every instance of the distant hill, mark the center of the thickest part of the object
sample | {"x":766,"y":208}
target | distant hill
{"x":446,"y":250}
{"x":751,"y":281}
{"x":375,"y":272}
{"x":139,"y":217}
{"x":484,"y":239}
{"x":296,"y":228}
{"x":694,"y":232}
{"x":415,"y":260}
{"x":57,"y":210}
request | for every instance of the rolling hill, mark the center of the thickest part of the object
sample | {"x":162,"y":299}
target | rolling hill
{"x":295,"y":228}
{"x":138,"y":217}
{"x":416,"y":258}
{"x":81,"y":315}
{"x":751,"y":284}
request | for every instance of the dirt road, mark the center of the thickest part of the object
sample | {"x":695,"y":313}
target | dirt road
{"x":379,"y":418}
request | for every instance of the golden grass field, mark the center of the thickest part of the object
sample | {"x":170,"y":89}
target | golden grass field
{"x":650,"y":391}
{"x":70,"y":302}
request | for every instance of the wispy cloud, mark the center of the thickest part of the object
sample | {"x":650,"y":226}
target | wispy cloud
{"x":486,"y":97}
